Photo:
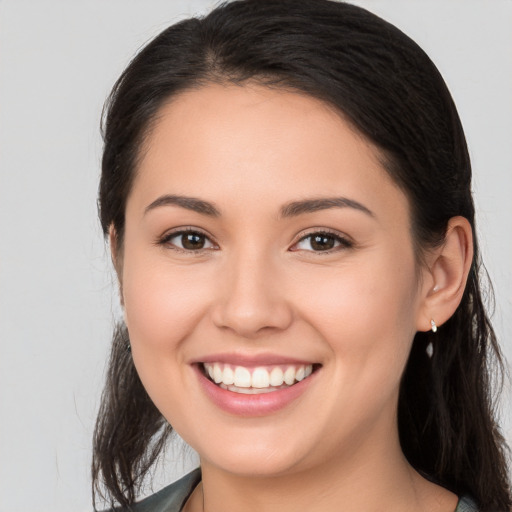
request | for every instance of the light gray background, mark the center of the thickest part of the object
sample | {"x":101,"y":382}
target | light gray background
{"x":58,"y":60}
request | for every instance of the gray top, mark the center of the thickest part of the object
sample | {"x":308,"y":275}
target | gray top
{"x":173,"y":497}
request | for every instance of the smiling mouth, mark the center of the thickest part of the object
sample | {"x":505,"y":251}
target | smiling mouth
{"x":257,"y":380}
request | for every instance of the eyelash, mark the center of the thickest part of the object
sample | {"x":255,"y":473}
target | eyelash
{"x":166,"y":240}
{"x":343,"y":242}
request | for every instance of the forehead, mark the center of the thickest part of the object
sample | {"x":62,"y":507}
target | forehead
{"x":238,"y":143}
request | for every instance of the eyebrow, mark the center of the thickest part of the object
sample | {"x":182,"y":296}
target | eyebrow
{"x":190,"y":203}
{"x":313,"y":205}
{"x":292,"y":209}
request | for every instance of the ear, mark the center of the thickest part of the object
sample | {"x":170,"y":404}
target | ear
{"x":116,"y":259}
{"x":447,"y":274}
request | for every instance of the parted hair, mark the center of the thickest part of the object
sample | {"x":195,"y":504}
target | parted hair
{"x":390,"y":91}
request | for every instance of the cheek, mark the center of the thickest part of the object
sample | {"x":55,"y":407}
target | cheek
{"x":366,"y":313}
{"x":366,"y":320}
{"x":360,"y":297}
{"x":163,"y":306}
{"x":162,"y":302}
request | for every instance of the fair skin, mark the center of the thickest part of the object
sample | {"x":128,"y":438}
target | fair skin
{"x":253,"y":285}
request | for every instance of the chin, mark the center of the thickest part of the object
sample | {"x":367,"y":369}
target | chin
{"x":266,"y":457}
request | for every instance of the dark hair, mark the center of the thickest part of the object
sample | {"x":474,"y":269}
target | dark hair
{"x":392,"y":93}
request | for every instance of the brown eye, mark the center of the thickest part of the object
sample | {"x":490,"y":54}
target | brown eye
{"x":322,"y":242}
{"x":188,"y":241}
{"x":193,"y":241}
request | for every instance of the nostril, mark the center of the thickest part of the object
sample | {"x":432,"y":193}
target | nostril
{"x":252,"y":311}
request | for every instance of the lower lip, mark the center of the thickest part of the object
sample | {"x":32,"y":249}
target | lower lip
{"x":252,"y":405}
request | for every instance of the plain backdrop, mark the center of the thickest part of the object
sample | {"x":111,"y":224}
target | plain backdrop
{"x":58,"y":60}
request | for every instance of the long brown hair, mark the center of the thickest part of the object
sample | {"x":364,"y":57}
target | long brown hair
{"x":393,"y":94}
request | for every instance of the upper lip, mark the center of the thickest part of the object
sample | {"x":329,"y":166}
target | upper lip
{"x":265,"y":359}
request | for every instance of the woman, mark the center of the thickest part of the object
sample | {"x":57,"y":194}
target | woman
{"x":286,"y":190}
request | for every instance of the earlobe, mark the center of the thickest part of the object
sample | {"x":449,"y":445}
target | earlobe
{"x":449,"y":269}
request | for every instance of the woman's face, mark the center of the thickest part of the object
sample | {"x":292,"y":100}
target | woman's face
{"x":264,"y":241}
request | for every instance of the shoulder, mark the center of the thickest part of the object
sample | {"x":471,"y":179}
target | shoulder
{"x":170,"y":498}
{"x":466,"y":504}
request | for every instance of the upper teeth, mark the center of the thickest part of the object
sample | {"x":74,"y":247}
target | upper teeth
{"x":259,"y":377}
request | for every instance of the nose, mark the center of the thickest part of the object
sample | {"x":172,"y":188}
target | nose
{"x":251,"y":298}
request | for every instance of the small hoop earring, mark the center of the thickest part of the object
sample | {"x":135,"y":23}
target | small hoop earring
{"x":433,"y":325}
